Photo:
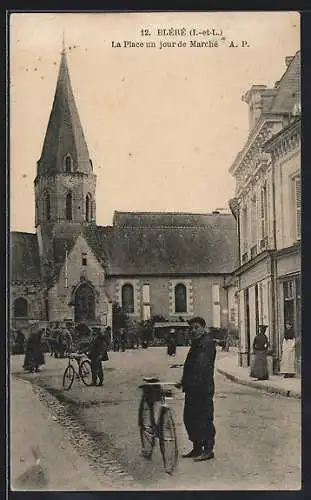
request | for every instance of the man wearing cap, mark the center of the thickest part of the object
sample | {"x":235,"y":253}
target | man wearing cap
{"x":198,"y":385}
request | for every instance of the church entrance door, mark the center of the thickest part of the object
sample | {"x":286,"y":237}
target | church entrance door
{"x":84,"y":303}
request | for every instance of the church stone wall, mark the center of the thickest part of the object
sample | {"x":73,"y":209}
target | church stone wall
{"x":200,"y":300}
{"x":36,"y":310}
{"x":61,"y":297}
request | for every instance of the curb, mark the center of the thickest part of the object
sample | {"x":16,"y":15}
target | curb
{"x":261,"y":387}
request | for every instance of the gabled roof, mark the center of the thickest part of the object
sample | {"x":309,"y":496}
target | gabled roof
{"x":60,"y":245}
{"x":25,"y":260}
{"x":64,"y":133}
{"x":194,"y":244}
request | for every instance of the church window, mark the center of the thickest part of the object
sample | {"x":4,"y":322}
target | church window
{"x":88,"y":208}
{"x":128,"y":298}
{"x":180,"y":298}
{"x":84,"y":259}
{"x":69,"y":206}
{"x":20,"y":308}
{"x":47,"y":200}
{"x":68,"y":164}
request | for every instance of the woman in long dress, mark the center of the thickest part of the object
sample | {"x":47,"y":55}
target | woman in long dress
{"x":171,"y":343}
{"x":288,"y":352}
{"x":259,"y":367}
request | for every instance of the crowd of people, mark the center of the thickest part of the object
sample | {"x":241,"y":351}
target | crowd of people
{"x":197,"y":380}
{"x":59,"y":341}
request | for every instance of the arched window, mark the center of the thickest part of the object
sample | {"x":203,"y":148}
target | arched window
{"x":47,"y":205}
{"x":128,"y":298}
{"x":69,"y":206}
{"x":88,"y":208}
{"x":68,"y":164}
{"x":180,"y":298}
{"x":20,"y":308}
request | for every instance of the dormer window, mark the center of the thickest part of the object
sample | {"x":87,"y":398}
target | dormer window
{"x":68,"y":164}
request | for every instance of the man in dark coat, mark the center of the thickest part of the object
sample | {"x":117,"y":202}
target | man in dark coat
{"x":97,"y":353}
{"x":198,"y":385}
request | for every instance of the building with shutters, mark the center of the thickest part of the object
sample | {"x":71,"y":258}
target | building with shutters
{"x":168,"y":264}
{"x":267,"y":207}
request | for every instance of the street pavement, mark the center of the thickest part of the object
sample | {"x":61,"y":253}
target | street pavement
{"x":258,"y":444}
{"x":60,"y":467}
{"x":290,"y":387}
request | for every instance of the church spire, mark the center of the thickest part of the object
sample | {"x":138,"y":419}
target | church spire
{"x":64,"y":147}
{"x":63,"y":44}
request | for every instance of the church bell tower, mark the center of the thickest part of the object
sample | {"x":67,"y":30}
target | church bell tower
{"x":65,"y":183}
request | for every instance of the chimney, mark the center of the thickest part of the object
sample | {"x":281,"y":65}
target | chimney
{"x":255,"y":103}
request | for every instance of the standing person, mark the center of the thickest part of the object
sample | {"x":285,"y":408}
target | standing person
{"x":259,"y":367}
{"x":28,"y":364}
{"x":67,"y":339}
{"x":107,"y":336}
{"x":171,"y":342}
{"x":20,"y":342}
{"x":288,"y":352}
{"x":34,"y":354}
{"x":123,"y":339}
{"x":38,"y":356}
{"x":198,"y":385}
{"x":97,"y":353}
{"x":56,"y":335}
{"x":116,"y":341}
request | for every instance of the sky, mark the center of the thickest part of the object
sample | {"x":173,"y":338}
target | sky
{"x":162,"y":125}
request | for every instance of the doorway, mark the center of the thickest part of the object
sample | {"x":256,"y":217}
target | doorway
{"x":84,"y":303}
{"x":247,"y":325}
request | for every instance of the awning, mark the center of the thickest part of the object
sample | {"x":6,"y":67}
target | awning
{"x":171,"y":324}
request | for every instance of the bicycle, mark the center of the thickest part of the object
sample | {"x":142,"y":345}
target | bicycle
{"x":83,"y":371}
{"x":163,"y":429}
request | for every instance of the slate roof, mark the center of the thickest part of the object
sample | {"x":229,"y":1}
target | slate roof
{"x":64,"y":131}
{"x":151,"y":244}
{"x":25,"y":260}
{"x":288,"y":89}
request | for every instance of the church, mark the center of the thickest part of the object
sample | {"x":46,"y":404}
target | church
{"x":150,"y":263}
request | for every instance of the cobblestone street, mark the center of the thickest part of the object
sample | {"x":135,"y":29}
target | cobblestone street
{"x":257,"y":441}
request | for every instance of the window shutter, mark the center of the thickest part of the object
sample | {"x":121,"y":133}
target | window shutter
{"x":216,"y":306}
{"x":253,"y":221}
{"x":297,"y":181}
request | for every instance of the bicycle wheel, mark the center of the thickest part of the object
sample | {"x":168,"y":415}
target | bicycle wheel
{"x":168,"y":440}
{"x":68,"y":377}
{"x":146,"y":426}
{"x":85,"y":372}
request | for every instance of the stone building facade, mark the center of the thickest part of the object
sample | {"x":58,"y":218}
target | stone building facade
{"x":168,"y":264}
{"x":267,"y":209}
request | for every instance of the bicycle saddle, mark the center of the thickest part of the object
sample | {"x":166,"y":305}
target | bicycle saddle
{"x":151,"y":380}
